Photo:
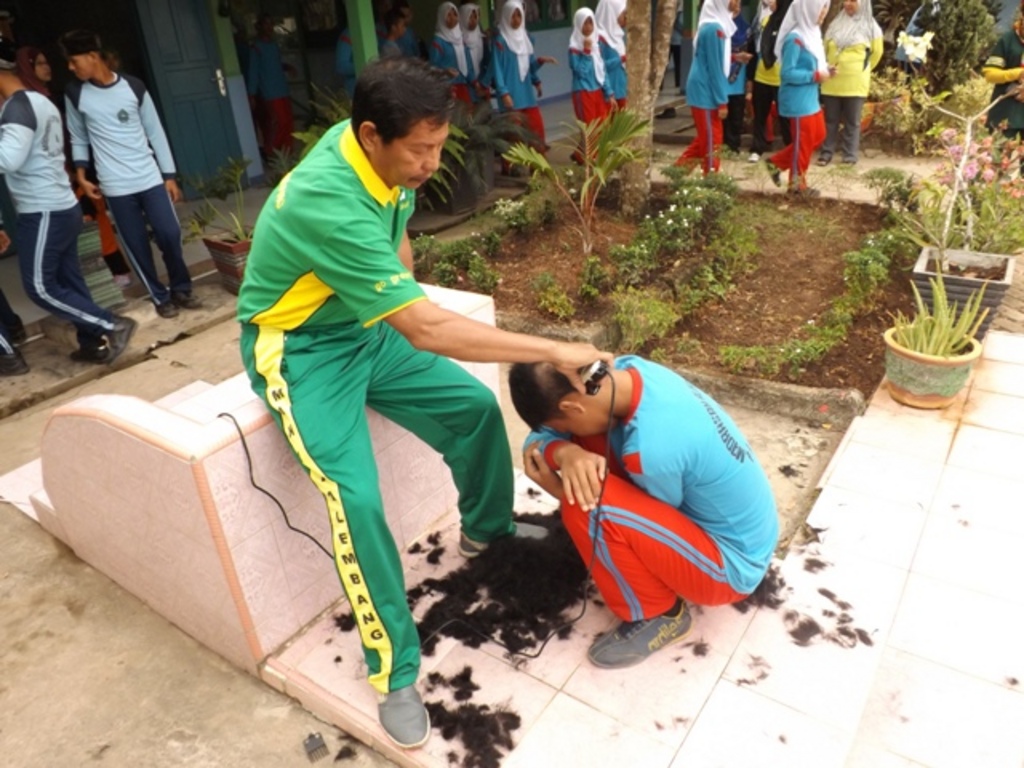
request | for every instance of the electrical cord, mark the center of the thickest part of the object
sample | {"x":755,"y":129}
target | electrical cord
{"x":586,"y":579}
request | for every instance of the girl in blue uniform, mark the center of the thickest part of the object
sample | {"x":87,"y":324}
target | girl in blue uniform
{"x":610,"y":18}
{"x":448,"y":52}
{"x":802,"y":53}
{"x":707,"y":85}
{"x":591,"y":90}
{"x":469,"y":21}
{"x":515,"y":70}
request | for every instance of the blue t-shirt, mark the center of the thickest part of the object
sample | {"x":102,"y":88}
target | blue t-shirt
{"x":707,"y":85}
{"x":32,"y":154}
{"x":798,"y":90}
{"x":680,"y":447}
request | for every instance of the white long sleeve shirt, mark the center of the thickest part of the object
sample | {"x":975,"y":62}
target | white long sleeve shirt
{"x":32,"y":154}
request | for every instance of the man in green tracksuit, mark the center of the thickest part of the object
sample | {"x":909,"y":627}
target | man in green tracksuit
{"x":330,"y":261}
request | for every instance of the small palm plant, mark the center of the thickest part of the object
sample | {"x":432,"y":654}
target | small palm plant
{"x":603,"y":148}
{"x":228,"y":180}
{"x":944,"y":329}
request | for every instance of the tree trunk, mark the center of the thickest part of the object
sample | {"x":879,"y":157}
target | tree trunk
{"x":647,"y":56}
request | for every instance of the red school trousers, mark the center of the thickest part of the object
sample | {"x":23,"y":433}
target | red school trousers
{"x":533,"y":121}
{"x":589,"y":105}
{"x":808,"y":132}
{"x":704,"y":149}
{"x":645,"y":553}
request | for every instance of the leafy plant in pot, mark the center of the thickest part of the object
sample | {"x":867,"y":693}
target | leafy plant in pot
{"x":229,"y":247}
{"x":929,"y":355}
{"x":967,"y":218}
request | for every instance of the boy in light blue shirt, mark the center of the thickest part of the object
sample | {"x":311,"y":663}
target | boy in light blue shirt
{"x":48,"y":223}
{"x":114,"y":116}
{"x":659,"y":490}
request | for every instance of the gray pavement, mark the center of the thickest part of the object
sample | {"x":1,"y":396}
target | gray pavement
{"x":90,"y":674}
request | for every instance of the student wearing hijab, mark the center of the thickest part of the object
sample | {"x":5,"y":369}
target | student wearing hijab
{"x":472,"y":36}
{"x":802,"y":52}
{"x":515,"y":70}
{"x":34,"y":70}
{"x":853,"y":45}
{"x":732,"y":128}
{"x":345,"y":61}
{"x":448,"y":52}
{"x":708,"y":82}
{"x":765,"y":92}
{"x":591,"y":90}
{"x":610,"y":18}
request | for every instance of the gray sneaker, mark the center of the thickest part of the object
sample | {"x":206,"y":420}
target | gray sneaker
{"x":633,"y":641}
{"x":469,"y":548}
{"x":404,"y":718}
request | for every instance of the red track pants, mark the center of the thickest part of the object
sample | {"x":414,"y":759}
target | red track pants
{"x":808,"y":132}
{"x":704,"y":149}
{"x":645,"y":553}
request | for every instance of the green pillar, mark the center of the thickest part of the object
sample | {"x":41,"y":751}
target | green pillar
{"x":362,"y":31}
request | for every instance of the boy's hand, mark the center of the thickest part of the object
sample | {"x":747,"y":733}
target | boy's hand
{"x":537,"y":469}
{"x":583,"y":475}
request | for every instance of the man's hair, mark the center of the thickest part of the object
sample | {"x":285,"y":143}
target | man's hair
{"x":536,"y":390}
{"x":391,"y":19}
{"x":79,"y":41}
{"x":397,"y":92}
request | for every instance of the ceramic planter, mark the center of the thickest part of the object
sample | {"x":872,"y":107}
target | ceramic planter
{"x":229,"y":257}
{"x":926,"y":381}
{"x":959,"y":287}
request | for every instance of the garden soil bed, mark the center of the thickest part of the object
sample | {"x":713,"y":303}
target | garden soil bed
{"x":797,"y":272}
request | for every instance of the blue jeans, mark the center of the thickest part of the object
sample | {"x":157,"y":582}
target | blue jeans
{"x":130,"y":214}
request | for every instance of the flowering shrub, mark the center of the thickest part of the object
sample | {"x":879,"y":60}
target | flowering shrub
{"x":976,"y":198}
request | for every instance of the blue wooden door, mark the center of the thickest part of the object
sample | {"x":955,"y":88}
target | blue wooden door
{"x":190,"y":87}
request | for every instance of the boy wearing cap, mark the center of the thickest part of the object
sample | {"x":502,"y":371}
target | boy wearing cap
{"x":115,"y":116}
{"x":48,"y":224}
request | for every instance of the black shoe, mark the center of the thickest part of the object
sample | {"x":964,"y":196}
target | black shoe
{"x":186,"y":300}
{"x":98,"y":354}
{"x":666,"y":113}
{"x":167,"y":309}
{"x":773,"y":172}
{"x":18,"y":334}
{"x":13,"y":364}
{"x":117,"y":339}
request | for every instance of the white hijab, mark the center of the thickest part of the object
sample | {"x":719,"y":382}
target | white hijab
{"x":577,"y":37}
{"x":717,"y":12}
{"x":606,"y":18}
{"x":848,"y":31}
{"x":473,"y":38}
{"x":802,"y":18}
{"x":516,"y":39}
{"x":452,"y":35}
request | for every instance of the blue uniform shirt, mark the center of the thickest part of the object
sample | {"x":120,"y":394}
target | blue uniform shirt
{"x":504,"y":75}
{"x":798,"y":91}
{"x":266,"y":71}
{"x":344,"y":62}
{"x":680,"y":447}
{"x":32,"y":154}
{"x":442,"y":54}
{"x":614,"y":69}
{"x":119,"y":122}
{"x":583,"y":78}
{"x":738,"y":70}
{"x":707,"y":86}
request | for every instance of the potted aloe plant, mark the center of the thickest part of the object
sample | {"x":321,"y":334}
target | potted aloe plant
{"x":929,"y":354}
{"x":229,"y":245}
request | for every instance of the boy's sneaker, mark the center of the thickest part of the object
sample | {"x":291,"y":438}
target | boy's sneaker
{"x":117,"y":339}
{"x":167,"y":309}
{"x":469,"y":548}
{"x":97,"y":354}
{"x":633,"y":641}
{"x":18,"y":334}
{"x":13,"y":364}
{"x":754,"y":157}
{"x":404,"y":718}
{"x":186,"y":300}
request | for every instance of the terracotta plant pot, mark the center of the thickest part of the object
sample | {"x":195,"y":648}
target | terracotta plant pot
{"x":960,"y":282}
{"x":926,"y":381}
{"x":229,"y":257}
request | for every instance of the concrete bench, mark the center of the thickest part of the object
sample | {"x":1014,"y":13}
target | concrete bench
{"x":157,"y":496}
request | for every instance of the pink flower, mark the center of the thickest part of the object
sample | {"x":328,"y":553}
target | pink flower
{"x":971,"y":170}
{"x":988,"y":175}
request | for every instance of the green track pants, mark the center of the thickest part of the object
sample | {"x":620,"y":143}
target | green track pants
{"x":316,"y":382}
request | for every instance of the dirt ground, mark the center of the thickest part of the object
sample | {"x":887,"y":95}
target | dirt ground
{"x":792,"y":282}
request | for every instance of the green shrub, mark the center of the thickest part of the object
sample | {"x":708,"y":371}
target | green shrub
{"x":892,"y":187}
{"x":482,"y":275}
{"x":593,"y":278}
{"x":444,"y":273}
{"x":633,"y":263}
{"x":552,"y":298}
{"x":513,"y":214}
{"x":642,"y":316}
